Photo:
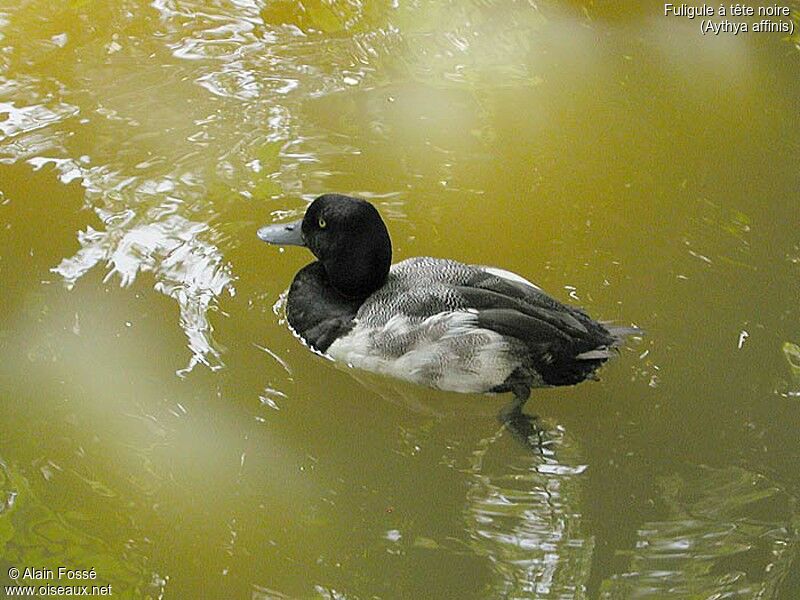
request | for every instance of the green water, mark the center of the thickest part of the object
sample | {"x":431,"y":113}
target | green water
{"x":160,"y":424}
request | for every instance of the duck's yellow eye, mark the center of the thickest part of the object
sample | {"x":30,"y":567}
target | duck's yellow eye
{"x":322,"y":223}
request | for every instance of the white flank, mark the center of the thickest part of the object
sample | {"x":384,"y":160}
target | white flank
{"x":447,"y":351}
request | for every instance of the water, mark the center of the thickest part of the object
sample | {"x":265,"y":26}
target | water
{"x":160,"y":424}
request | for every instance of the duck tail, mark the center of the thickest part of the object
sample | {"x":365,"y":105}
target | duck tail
{"x":621,"y":332}
{"x":618,"y":335}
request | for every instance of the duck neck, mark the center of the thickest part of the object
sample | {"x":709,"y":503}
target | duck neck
{"x":360,"y":267}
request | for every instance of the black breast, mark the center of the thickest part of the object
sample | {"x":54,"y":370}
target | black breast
{"x":316,"y":311}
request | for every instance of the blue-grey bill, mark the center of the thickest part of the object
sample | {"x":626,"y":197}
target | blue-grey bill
{"x":285,"y":234}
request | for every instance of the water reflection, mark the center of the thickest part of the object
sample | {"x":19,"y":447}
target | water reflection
{"x":33,"y":535}
{"x":186,"y":268}
{"x":526,"y":518}
{"x":731,"y":533}
{"x":26,"y":119}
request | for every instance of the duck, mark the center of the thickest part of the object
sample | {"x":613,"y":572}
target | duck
{"x":436,"y":322}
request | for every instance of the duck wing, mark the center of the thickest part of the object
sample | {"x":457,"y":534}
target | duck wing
{"x":494,"y":290}
{"x":565,"y":344}
{"x":422,"y":287}
{"x":560,"y":333}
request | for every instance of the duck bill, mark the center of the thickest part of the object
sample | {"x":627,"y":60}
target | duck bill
{"x":285,"y":234}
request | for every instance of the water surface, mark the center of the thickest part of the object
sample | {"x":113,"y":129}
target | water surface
{"x":159,"y":422}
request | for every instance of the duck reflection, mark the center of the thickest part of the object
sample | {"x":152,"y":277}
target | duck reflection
{"x":526,"y":517}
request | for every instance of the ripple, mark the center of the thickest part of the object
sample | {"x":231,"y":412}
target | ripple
{"x":526,"y":518}
{"x":18,"y":120}
{"x":29,"y":114}
{"x":731,"y":533}
{"x":186,"y":268}
{"x":34,"y":535}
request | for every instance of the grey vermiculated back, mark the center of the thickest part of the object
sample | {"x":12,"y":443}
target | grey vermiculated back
{"x":417,"y":287}
{"x":423,"y":286}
